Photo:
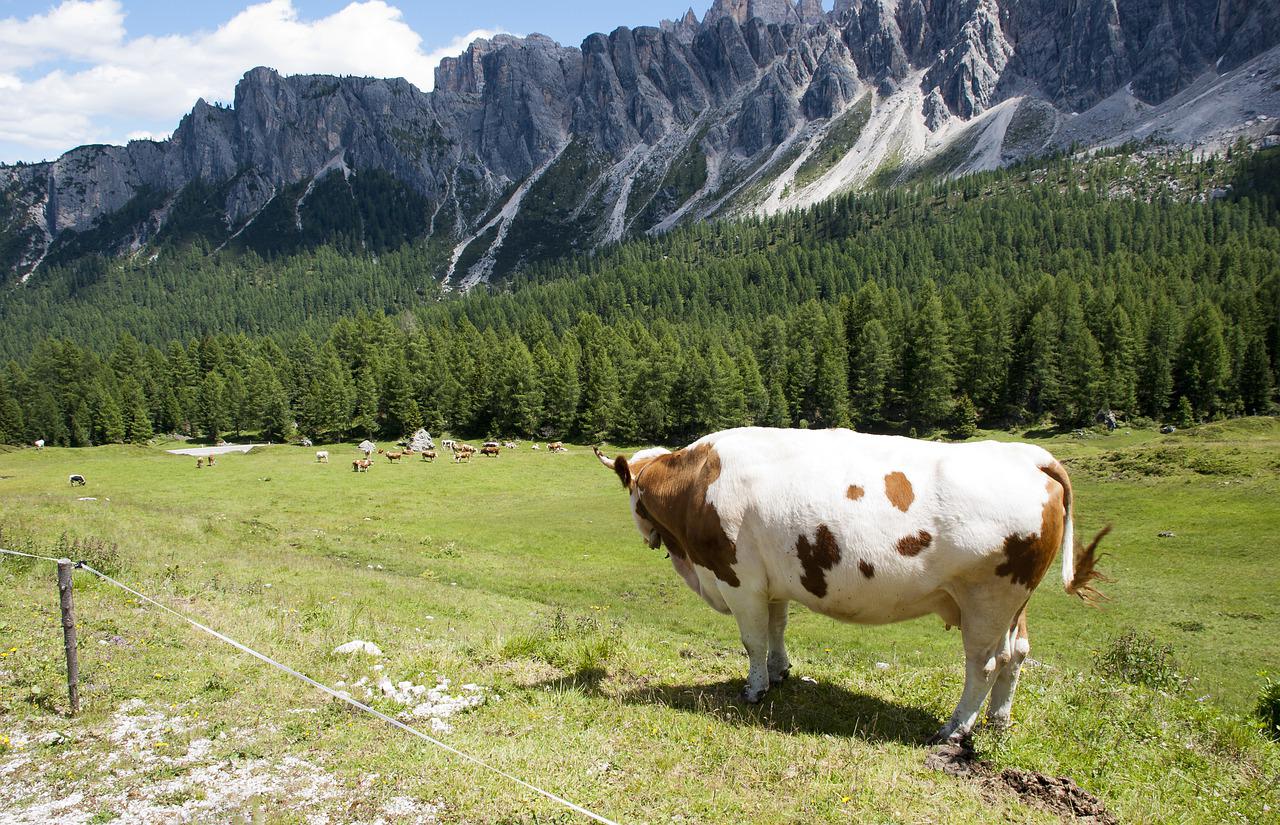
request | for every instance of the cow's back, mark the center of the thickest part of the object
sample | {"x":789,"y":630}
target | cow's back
{"x":866,"y":527}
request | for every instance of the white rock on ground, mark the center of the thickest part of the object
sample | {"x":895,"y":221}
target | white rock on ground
{"x":358,"y":646}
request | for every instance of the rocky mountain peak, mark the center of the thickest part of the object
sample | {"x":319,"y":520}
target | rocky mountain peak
{"x":527,"y":148}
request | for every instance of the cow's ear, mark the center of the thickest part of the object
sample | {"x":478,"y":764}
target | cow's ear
{"x":624,"y":472}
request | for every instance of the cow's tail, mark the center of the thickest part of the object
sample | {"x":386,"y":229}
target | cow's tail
{"x":1079,"y":564}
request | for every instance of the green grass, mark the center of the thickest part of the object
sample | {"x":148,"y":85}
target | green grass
{"x":618,"y":686}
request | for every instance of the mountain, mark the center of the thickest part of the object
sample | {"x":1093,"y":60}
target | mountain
{"x":528,"y":150}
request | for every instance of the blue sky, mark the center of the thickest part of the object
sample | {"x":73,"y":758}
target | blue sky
{"x":105,"y":71}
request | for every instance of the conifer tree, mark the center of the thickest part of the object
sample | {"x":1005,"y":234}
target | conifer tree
{"x":211,"y":410}
{"x":137,"y":418}
{"x":11,"y":423}
{"x":600,"y":391}
{"x":403,"y":414}
{"x":873,"y":361}
{"x":928,"y":366}
{"x":108,"y":421}
{"x":773,"y":368}
{"x":831,"y":377}
{"x":1203,"y":363}
{"x":1155,"y":386}
{"x":558,"y":380}
{"x":1256,"y":387}
{"x":236,"y":401}
{"x":519,"y":411}
{"x":1038,"y":384}
{"x":1121,"y":359}
{"x":364,"y":421}
{"x":44,"y":419}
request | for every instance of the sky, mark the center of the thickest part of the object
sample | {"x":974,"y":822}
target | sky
{"x":108,"y":71}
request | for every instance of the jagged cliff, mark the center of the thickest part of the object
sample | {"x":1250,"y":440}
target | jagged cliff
{"x":526,"y":148}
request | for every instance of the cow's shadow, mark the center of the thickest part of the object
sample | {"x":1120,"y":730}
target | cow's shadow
{"x":795,"y":706}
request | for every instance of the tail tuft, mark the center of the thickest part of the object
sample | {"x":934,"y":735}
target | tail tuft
{"x":1085,"y":574}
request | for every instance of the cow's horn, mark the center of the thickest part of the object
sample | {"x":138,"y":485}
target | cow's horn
{"x":608,"y":462}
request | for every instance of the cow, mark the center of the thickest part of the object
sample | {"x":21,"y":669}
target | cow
{"x":199,"y":463}
{"x":463,"y":452}
{"x":428,"y":455}
{"x":76,"y":480}
{"x":361,"y":465}
{"x":866,"y":529}
{"x":210,"y":460}
{"x":39,"y":442}
{"x":510,"y":445}
{"x":449,"y":444}
{"x":557,"y":447}
{"x":533,"y":446}
{"x":322,"y":456}
{"x":392,"y":458}
{"x":491,"y":450}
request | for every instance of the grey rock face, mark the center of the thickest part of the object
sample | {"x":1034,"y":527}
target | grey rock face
{"x":666,"y":123}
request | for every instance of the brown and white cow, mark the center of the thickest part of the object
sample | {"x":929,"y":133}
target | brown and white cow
{"x":867,"y":529}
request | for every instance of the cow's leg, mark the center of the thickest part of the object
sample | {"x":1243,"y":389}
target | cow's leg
{"x":779,"y":664}
{"x":987,"y":649}
{"x":1000,"y":705}
{"x":751,"y":609}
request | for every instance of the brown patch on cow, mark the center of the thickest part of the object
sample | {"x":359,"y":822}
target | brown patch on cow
{"x":854,"y":492}
{"x":673,"y":496}
{"x":1027,"y":557}
{"x":817,"y":558}
{"x":867,"y":568}
{"x":897,"y":488}
{"x":912,"y":545}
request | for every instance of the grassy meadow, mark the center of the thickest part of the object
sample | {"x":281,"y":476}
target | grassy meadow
{"x":604,"y":678}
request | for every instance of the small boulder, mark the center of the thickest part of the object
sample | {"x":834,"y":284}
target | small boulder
{"x":358,"y":646}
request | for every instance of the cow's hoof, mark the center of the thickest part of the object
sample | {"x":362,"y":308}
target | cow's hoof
{"x":753,"y":696}
{"x":779,"y":678}
{"x":1000,"y":724}
{"x":948,"y":737}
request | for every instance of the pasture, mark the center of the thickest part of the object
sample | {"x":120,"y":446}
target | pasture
{"x":603,"y":678}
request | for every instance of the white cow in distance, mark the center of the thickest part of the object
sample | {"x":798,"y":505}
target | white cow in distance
{"x":866,"y":529}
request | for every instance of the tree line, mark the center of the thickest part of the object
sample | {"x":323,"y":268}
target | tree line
{"x":995,"y":300}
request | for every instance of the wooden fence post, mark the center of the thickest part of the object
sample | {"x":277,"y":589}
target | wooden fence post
{"x":69,"y":633}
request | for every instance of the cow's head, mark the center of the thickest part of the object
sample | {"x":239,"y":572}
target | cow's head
{"x":628,"y":472}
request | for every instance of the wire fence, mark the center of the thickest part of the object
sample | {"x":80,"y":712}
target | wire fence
{"x":340,"y":695}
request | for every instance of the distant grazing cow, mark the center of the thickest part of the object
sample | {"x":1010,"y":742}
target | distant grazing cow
{"x":463,"y":452}
{"x":867,"y":529}
{"x":428,"y":455}
{"x":322,"y":456}
{"x":449,"y":444}
{"x":393,"y":457}
{"x":199,"y":463}
{"x":76,"y":480}
{"x":211,"y":460}
{"x":491,"y":450}
{"x":510,"y":445}
{"x":39,"y":442}
{"x":533,"y":446}
{"x":361,"y":465}
{"x":557,"y":447}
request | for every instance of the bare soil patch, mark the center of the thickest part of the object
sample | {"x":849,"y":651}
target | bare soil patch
{"x":1059,"y":795}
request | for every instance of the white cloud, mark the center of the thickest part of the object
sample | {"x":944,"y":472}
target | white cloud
{"x":143,"y":85}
